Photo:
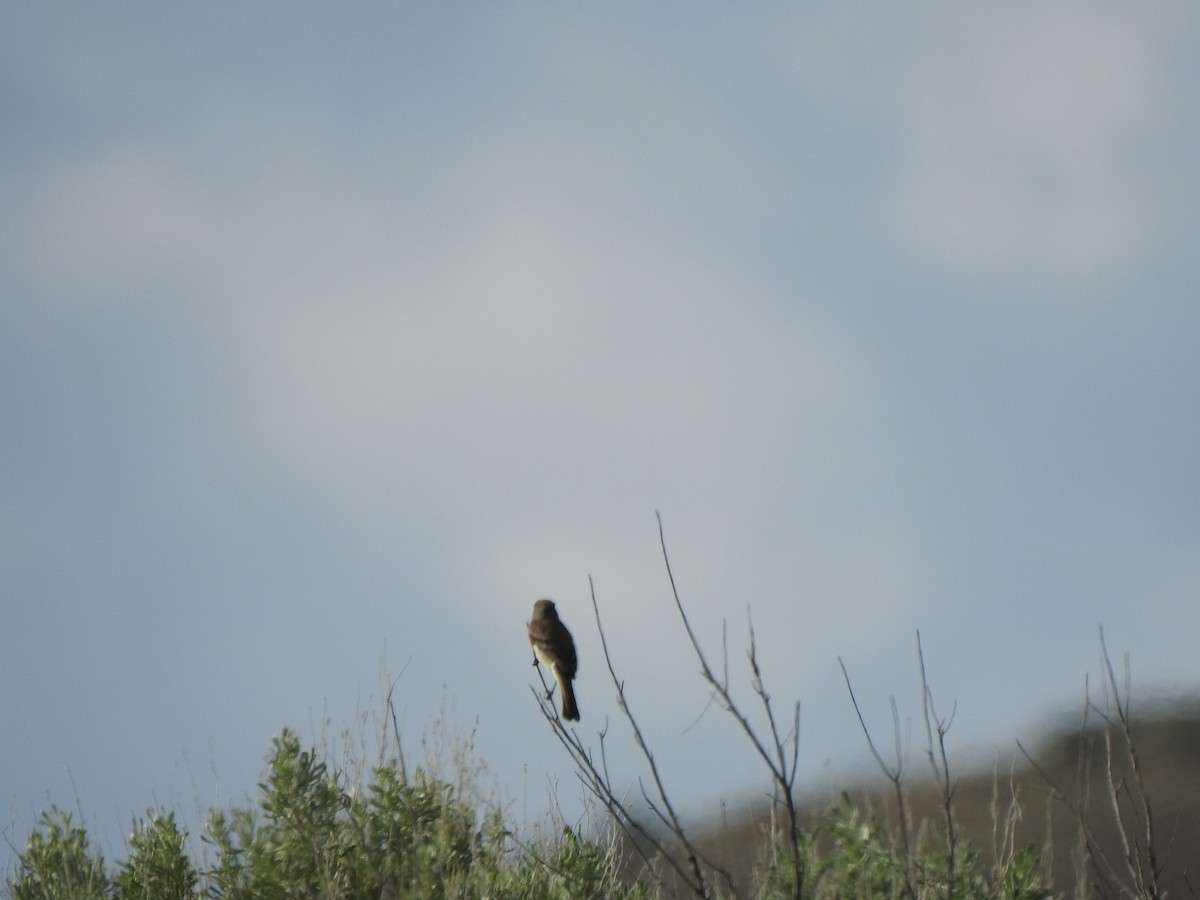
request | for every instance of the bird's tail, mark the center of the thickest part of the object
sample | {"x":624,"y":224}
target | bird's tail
{"x":570,"y":711}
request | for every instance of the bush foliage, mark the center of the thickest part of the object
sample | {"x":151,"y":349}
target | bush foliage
{"x":317,"y":831}
{"x":315,"y":834}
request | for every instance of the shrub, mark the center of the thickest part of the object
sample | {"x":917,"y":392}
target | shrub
{"x":157,"y":867}
{"x":316,"y":835}
{"x":58,"y":864}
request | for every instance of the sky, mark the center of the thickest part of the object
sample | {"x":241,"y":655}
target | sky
{"x":333,"y":337}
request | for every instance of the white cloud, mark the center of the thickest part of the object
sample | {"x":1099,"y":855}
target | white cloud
{"x":1012,"y":140}
{"x":525,"y":376}
{"x":1031,"y":163}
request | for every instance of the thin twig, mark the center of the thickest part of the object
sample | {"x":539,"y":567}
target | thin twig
{"x":1138,"y":874}
{"x":1146,"y":860}
{"x":894,"y":775}
{"x":597,"y":782}
{"x":783,"y":774}
{"x":940,"y":762}
{"x":698,"y":882}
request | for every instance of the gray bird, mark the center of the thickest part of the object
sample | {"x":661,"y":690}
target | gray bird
{"x":554,"y":649}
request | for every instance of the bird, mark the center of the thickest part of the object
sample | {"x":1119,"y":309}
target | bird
{"x":554,"y":649}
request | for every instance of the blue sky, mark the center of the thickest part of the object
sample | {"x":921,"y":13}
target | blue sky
{"x":331,"y":339}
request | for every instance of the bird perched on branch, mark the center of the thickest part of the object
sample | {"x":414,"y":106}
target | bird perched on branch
{"x":554,"y":649}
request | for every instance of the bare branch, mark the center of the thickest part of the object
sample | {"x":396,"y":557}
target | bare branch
{"x":894,"y":775}
{"x":1138,"y":872}
{"x":939,"y":760}
{"x":697,"y":882}
{"x":783,"y":775}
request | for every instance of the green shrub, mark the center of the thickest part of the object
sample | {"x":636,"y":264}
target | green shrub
{"x":852,"y":855}
{"x":316,"y":835}
{"x":157,"y":867}
{"x":58,"y":864}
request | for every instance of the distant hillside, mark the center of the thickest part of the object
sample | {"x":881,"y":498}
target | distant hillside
{"x":1018,"y":797}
